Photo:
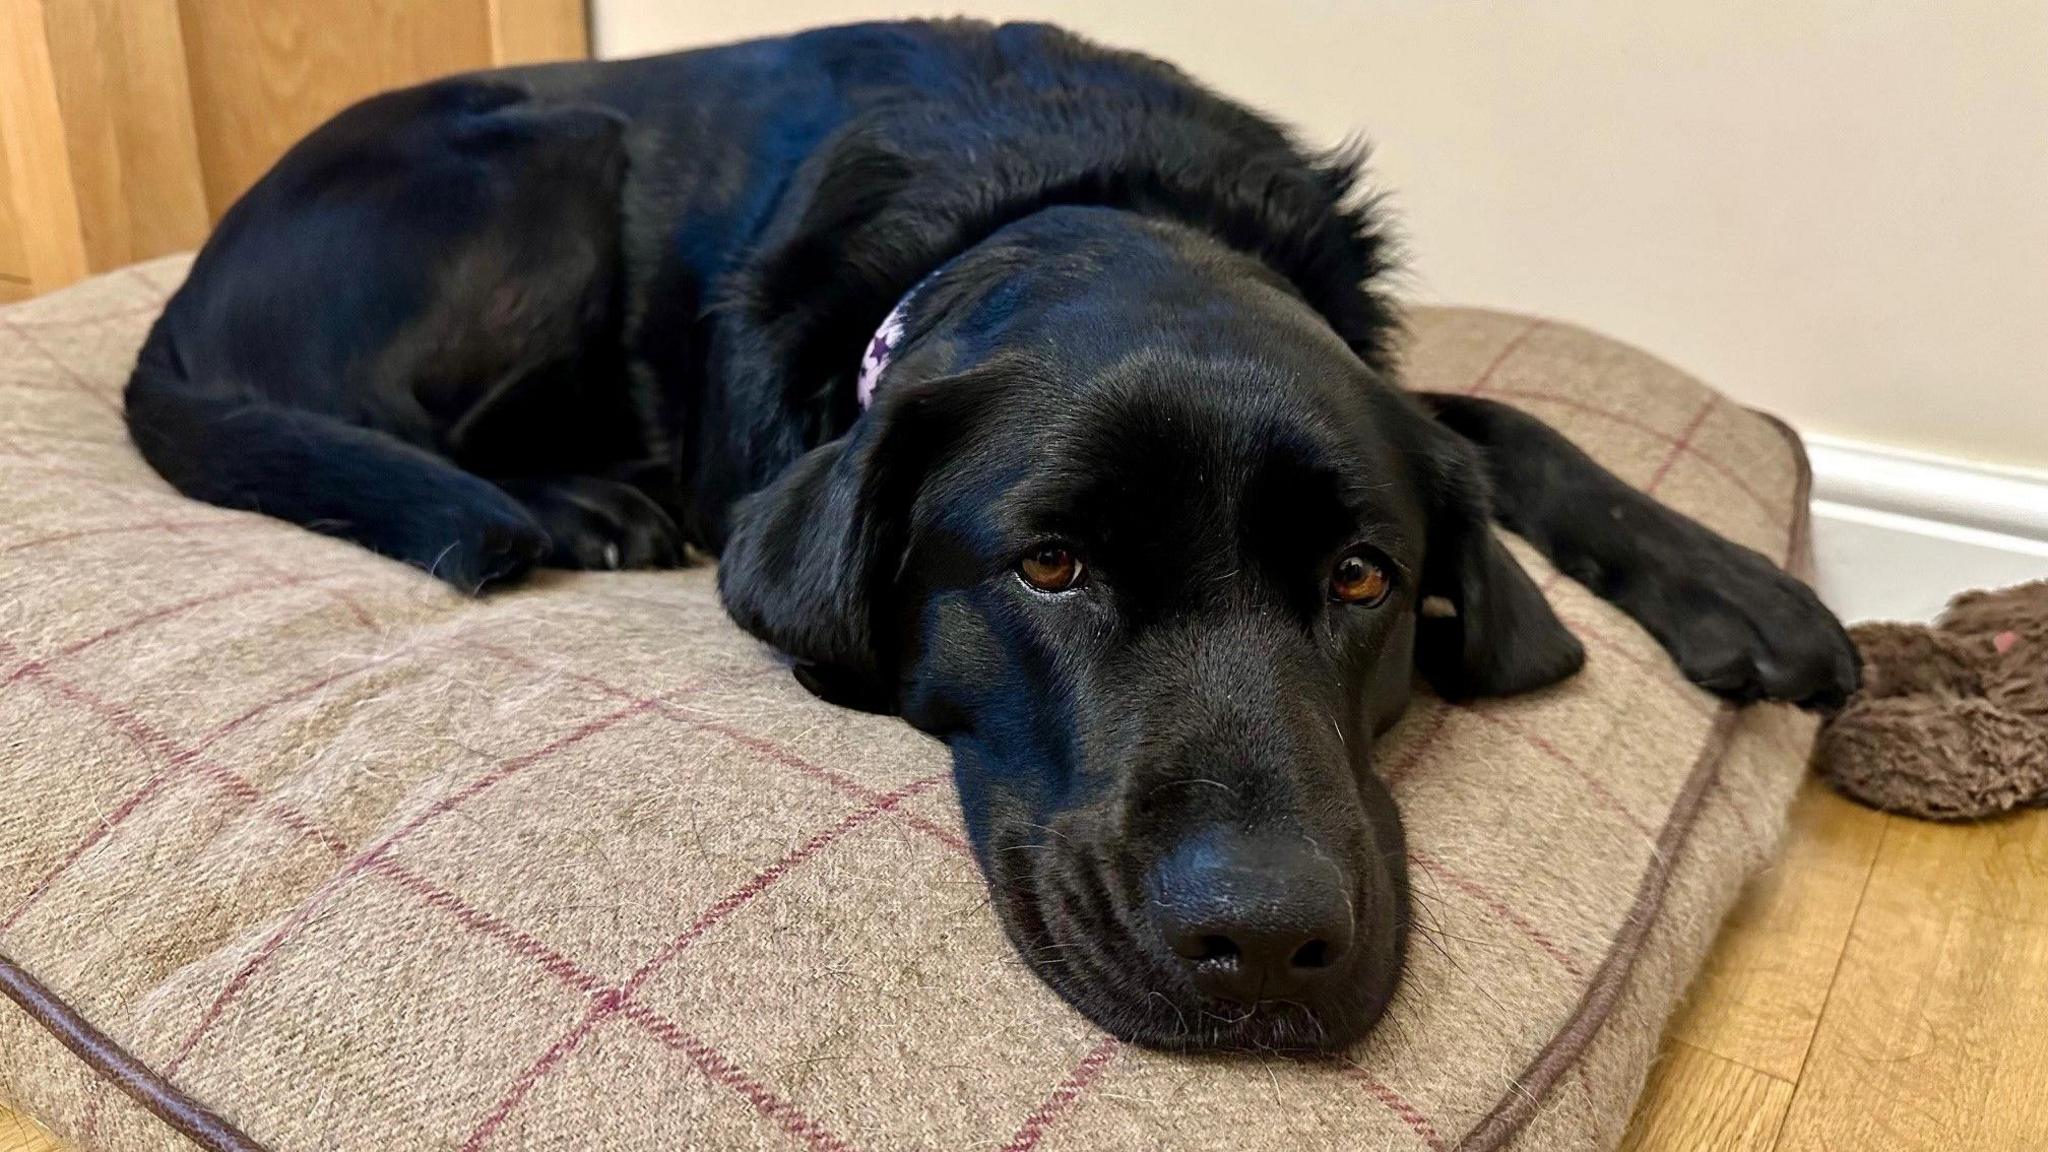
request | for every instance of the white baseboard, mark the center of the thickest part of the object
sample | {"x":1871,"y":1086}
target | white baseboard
{"x":1897,"y":533}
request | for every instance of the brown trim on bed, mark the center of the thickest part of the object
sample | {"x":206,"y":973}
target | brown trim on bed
{"x":1513,"y":1110}
{"x":197,"y":1123}
{"x":1799,"y":553}
{"x":1533,"y":1086}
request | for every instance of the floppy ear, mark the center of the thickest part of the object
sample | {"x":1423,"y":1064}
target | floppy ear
{"x":812,"y":560}
{"x":799,"y":568}
{"x":1485,"y":628}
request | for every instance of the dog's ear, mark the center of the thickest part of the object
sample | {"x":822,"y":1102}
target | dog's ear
{"x":801,"y":565}
{"x":1484,"y":627}
{"x":812,"y":560}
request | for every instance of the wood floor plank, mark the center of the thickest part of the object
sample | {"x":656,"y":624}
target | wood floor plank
{"x":1758,"y":999}
{"x":1999,"y":867}
{"x":1933,"y":1036}
{"x":20,"y":1134}
{"x":1699,"y":1102}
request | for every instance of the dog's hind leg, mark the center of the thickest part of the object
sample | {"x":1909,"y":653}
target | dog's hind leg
{"x":1736,"y":624}
{"x":233,"y":448}
{"x":421,"y":295}
{"x":598,"y":523}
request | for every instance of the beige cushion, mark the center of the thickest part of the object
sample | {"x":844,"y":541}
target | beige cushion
{"x":294,"y":834}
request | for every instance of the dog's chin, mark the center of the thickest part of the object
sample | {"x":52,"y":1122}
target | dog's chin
{"x":1083,"y":950}
{"x":1269,"y":1027}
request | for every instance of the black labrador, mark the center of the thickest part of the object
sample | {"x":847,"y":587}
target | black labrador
{"x":1024,"y":388}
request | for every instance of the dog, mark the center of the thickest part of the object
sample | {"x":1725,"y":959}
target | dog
{"x":1024,"y":388}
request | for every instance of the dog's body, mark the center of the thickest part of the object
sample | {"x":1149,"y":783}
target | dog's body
{"x":665,"y":269}
{"x":1137,"y":522}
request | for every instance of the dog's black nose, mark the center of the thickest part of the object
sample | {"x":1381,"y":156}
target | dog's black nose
{"x":1253,"y":917}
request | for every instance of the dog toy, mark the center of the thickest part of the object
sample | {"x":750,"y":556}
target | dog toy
{"x":1952,"y":720}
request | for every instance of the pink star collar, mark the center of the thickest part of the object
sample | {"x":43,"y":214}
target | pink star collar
{"x":881,"y":349}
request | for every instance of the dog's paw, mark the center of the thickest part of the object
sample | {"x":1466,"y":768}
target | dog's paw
{"x":601,"y":524}
{"x":479,"y":543}
{"x":1741,"y":628}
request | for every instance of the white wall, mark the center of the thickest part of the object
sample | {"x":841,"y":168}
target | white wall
{"x":1835,"y":210}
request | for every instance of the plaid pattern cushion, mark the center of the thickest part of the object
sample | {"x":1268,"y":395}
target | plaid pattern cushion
{"x":300,"y":850}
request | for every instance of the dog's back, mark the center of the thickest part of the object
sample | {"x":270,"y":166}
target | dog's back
{"x":568,"y":314}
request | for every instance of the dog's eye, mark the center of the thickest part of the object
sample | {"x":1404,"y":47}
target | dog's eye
{"x":1357,"y":580}
{"x":1051,"y":568}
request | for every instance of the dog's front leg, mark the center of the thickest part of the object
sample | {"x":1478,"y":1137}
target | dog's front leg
{"x":1735,"y":623}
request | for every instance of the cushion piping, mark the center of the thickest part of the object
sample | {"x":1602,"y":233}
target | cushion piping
{"x":1530,"y":1089}
{"x":100,"y":1053}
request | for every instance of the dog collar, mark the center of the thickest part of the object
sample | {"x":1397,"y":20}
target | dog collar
{"x":888,"y":339}
{"x":882,"y":347}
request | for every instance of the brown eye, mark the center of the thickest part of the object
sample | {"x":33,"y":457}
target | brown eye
{"x":1050,"y":569}
{"x":1357,"y":580}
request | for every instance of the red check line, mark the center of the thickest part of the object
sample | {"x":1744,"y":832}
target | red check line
{"x":768,"y":748}
{"x":1726,"y":473}
{"x":602,"y":1007}
{"x":1417,"y":748}
{"x":340,"y":596}
{"x":1399,"y":1105}
{"x":318,"y":900}
{"x":1682,"y":445}
{"x":717,"y":1068}
{"x":612,"y":1001}
{"x":514,"y":939}
{"x":1535,"y":935}
{"x":604,"y":687}
{"x":1064,"y":1097}
{"x":1417,"y":1121}
{"x":71,"y":375}
{"x":151,"y":617}
{"x":176,"y":760}
{"x":294,"y":819}
{"x":518,"y":941}
{"x":1592,"y":782}
{"x":711,"y":1063}
{"x":1661,"y":669}
{"x":1034,"y":1129}
{"x":238,"y":786}
{"x":767,"y":878}
{"x":819,"y":772}
{"x":131,"y":726}
{"x":1506,"y":351}
{"x":118,"y":530}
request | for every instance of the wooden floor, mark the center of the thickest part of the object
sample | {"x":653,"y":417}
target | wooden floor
{"x":1885,"y":987}
{"x":20,"y":1134}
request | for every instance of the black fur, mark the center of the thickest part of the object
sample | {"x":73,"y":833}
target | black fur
{"x":588,"y":315}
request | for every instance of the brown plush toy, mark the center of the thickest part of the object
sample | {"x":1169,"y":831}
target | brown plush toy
{"x":1952,"y":720}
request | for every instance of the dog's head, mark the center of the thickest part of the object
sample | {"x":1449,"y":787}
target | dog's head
{"x":1157,"y":555}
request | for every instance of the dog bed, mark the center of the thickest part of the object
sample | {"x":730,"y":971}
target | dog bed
{"x":301,"y":850}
